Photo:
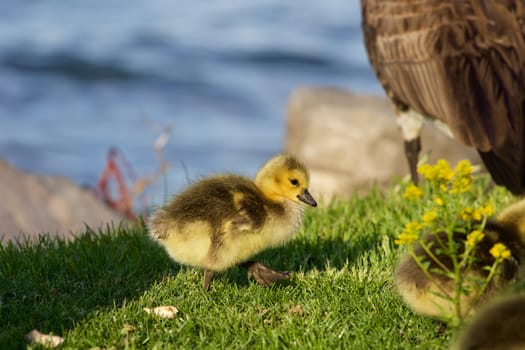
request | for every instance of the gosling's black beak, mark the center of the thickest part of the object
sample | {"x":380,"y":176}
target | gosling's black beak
{"x":307,"y":198}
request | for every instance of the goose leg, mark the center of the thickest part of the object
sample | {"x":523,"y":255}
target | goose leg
{"x":412,"y":149}
{"x":208,"y":276}
{"x":411,"y":125}
{"x":264,"y":275}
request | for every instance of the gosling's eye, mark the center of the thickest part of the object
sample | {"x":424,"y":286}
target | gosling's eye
{"x":294,"y":182}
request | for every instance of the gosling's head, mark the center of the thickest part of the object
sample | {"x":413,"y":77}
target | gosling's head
{"x":284,"y":178}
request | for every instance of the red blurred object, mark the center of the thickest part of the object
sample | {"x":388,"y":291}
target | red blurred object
{"x":121,"y":199}
{"x":119,"y":191}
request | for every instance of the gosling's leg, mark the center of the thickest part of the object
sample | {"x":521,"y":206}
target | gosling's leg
{"x":264,"y":275}
{"x":412,"y":149}
{"x":208,"y":276}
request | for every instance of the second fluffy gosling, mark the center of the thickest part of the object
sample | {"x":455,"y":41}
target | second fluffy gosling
{"x":422,"y":294}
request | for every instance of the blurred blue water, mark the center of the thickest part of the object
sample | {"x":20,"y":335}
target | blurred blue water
{"x":78,"y":77}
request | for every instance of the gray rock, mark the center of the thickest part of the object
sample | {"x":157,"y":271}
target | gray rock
{"x":41,"y":204}
{"x":351,"y":142}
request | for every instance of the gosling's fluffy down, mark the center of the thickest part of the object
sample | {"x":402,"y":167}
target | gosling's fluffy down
{"x":421,"y":294}
{"x":223,"y":220}
{"x":498,"y":326}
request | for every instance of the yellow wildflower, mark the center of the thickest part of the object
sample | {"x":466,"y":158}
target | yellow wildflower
{"x":488,"y":210}
{"x":474,"y":238}
{"x":466,"y":214}
{"x":429,"y":216}
{"x":443,"y":170}
{"x":438,"y":172}
{"x":499,"y":251}
{"x":409,"y":234}
{"x":412,"y":193}
{"x":461,"y":184}
{"x":477,"y":214}
{"x":413,"y":227}
{"x":463,"y":168}
{"x":438,"y":201}
{"x":406,"y":238}
{"x":426,"y":170}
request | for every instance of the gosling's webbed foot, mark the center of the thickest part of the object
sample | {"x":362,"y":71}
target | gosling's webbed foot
{"x":208,"y":276}
{"x":264,"y":275}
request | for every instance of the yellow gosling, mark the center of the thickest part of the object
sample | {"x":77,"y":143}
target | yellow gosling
{"x":224,"y":220}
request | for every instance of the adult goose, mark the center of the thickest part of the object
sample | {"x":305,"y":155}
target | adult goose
{"x":461,"y":64}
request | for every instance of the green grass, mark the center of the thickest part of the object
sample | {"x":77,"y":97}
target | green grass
{"x":92,"y":291}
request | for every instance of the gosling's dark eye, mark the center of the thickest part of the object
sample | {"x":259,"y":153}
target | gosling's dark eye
{"x":294,"y":182}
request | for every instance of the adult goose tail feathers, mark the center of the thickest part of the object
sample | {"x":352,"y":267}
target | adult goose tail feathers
{"x":509,"y":175}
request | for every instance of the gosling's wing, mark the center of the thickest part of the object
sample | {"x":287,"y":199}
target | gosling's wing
{"x":461,"y":62}
{"x":240,"y":223}
{"x":249,"y":213}
{"x":202,"y":209}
